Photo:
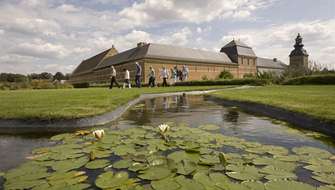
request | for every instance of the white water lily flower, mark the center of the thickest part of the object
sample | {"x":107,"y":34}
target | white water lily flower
{"x":164,"y":128}
{"x":98,"y":133}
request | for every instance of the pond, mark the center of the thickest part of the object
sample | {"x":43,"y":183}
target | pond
{"x":254,"y":148}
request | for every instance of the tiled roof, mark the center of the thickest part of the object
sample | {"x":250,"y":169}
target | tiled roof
{"x":236,"y":47}
{"x":270,"y":63}
{"x":90,"y":63}
{"x":168,"y":52}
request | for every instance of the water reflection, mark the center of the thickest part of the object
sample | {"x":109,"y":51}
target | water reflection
{"x":195,"y":111}
{"x":231,"y":115}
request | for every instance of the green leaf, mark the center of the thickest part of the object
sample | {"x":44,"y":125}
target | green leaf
{"x":165,"y":184}
{"x":209,"y":127}
{"x":325,"y":178}
{"x":187,"y":184}
{"x":96,"y":164}
{"x":155,"y":173}
{"x":280,"y":185}
{"x":111,"y":180}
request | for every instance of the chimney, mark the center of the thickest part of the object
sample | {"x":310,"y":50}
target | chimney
{"x":275,"y":59}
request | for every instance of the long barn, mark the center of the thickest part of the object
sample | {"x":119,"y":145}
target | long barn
{"x":235,"y":57}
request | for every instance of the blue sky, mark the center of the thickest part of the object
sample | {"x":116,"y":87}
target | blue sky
{"x":46,"y":35}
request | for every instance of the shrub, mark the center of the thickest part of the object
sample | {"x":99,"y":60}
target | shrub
{"x":255,"y":82}
{"x":226,"y":75}
{"x":81,"y":85}
{"x":311,"y":79}
{"x":204,"y":77}
{"x":249,"y":75}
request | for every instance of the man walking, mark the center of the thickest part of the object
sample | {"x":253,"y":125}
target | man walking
{"x":138,"y":75}
{"x":152,"y":77}
{"x":165,"y":76}
{"x":113,"y":78}
{"x":126,"y":78}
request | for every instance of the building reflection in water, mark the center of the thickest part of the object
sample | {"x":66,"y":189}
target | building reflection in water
{"x":231,"y":115}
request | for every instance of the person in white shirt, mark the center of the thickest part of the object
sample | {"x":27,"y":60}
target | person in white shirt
{"x":152,"y":77}
{"x":113,"y":78}
{"x":126,"y":78}
{"x":165,"y":76}
{"x":185,"y":73}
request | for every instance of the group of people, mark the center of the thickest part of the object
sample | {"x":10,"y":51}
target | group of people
{"x":176,"y":75}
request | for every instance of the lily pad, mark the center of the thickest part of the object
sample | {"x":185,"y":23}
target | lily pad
{"x":111,"y":180}
{"x":165,"y":184}
{"x":209,"y":127}
{"x":325,"y":178}
{"x":187,"y":184}
{"x":155,"y":173}
{"x":280,"y":185}
{"x":96,"y":164}
{"x":243,"y":173}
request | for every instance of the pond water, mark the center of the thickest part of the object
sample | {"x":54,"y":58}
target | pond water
{"x":193,"y":111}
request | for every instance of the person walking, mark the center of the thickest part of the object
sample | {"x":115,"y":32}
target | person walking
{"x":138,"y":75}
{"x":175,"y":74}
{"x":152,"y":77}
{"x":126,"y":78}
{"x":113,"y":78}
{"x":185,"y":72}
{"x":165,"y":76}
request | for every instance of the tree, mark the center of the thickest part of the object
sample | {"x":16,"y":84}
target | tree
{"x":59,"y":76}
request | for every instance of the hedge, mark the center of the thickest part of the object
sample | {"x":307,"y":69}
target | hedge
{"x":311,"y":79}
{"x":254,"y":82}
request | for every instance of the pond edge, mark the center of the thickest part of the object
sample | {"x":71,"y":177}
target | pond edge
{"x":26,"y":126}
{"x":300,"y":120}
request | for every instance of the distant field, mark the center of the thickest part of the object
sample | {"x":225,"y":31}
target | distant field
{"x":72,"y":103}
{"x":314,"y":100}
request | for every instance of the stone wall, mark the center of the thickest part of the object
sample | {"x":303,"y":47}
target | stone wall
{"x":197,"y":71}
{"x":247,"y":65}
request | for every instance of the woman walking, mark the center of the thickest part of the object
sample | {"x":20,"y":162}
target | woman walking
{"x":152,"y":77}
{"x":126,"y":78}
{"x":113,"y":78}
{"x":165,"y":76}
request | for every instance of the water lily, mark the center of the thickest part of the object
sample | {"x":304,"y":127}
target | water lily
{"x":164,"y":128}
{"x":99,"y":134}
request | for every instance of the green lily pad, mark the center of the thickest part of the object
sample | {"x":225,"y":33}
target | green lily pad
{"x":187,"y":184}
{"x":277,"y":174}
{"x":70,"y":164}
{"x":280,"y":185}
{"x":205,"y":180}
{"x":316,"y":152}
{"x":121,"y":164}
{"x":186,"y":167}
{"x":96,"y":164}
{"x":165,"y":184}
{"x":178,"y":156}
{"x":209,"y":127}
{"x":325,"y":178}
{"x":326,"y":187}
{"x":111,"y":180}
{"x":155,"y":173}
{"x":243,"y":173}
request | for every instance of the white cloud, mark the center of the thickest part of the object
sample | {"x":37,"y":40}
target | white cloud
{"x":197,"y":11}
{"x":278,"y":40}
{"x":68,"y":8}
{"x":41,"y":49}
{"x":181,"y":37}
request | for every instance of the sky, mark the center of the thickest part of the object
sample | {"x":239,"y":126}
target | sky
{"x":56,"y":35}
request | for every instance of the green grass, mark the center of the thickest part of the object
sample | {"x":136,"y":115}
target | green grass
{"x":314,"y":100}
{"x":72,"y":103}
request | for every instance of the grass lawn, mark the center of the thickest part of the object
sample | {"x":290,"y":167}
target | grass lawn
{"x":72,"y":103}
{"x":313,"y":100}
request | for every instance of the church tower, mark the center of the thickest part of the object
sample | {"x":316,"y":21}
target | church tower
{"x":299,"y":56}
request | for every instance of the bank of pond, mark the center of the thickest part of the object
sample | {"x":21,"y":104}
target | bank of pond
{"x":178,"y":142}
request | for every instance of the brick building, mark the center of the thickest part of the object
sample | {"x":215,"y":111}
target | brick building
{"x":235,"y":57}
